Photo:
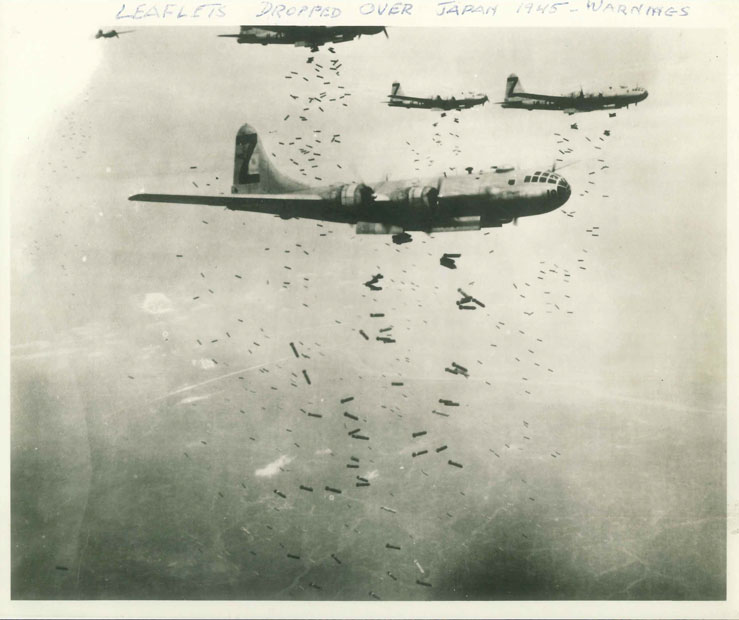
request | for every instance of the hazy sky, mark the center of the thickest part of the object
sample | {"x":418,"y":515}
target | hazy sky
{"x":607,"y":352}
{"x":161,"y":101}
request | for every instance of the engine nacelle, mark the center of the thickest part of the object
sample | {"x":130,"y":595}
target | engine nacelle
{"x":416,"y":198}
{"x":352,"y":195}
{"x":376,"y":228}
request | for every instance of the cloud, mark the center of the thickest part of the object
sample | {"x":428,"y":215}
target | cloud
{"x":274,"y":467}
{"x":156,"y":303}
{"x":193,"y":399}
{"x":204,"y":363}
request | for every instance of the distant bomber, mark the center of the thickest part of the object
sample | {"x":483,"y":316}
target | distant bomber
{"x":396,"y":99}
{"x":436,"y":204}
{"x":516,"y":97}
{"x":110,"y":34}
{"x":302,"y":36}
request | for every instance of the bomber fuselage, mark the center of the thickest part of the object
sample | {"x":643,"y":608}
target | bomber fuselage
{"x":577,"y":102}
{"x":435,"y":103}
{"x":461,"y":202}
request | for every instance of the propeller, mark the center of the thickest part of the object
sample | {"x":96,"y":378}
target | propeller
{"x":368,"y":195}
{"x":555,"y":167}
{"x":371,"y":30}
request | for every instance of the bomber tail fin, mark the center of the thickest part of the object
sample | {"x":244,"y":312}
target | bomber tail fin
{"x":513,"y":86}
{"x":254,"y":172}
{"x":395,"y":90}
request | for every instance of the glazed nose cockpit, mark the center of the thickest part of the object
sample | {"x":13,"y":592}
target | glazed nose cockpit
{"x":556,"y":186}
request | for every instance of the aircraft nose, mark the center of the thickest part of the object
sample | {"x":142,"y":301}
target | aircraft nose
{"x":563,"y":191}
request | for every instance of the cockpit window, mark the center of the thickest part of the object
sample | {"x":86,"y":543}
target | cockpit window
{"x":552,"y":180}
{"x":511,"y":181}
{"x":527,"y":179}
{"x":534,"y":179}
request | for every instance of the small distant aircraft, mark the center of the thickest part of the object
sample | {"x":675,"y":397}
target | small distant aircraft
{"x":302,"y":36}
{"x":396,"y":99}
{"x":110,"y":34}
{"x":437,"y":204}
{"x":516,"y":97}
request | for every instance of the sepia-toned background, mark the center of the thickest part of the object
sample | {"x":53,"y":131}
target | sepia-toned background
{"x":159,"y":415}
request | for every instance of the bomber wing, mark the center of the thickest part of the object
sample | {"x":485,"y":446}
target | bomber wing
{"x":410,"y":100}
{"x":280,"y":29}
{"x":301,"y":30}
{"x":308,"y":206}
{"x":552,"y":98}
{"x":415,"y":102}
{"x":407,"y":98}
{"x":312,"y":35}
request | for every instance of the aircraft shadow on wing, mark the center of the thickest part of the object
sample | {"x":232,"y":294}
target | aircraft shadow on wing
{"x":437,"y":204}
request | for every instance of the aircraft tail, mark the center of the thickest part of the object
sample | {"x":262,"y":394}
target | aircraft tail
{"x":395,"y":90}
{"x":254,"y":172}
{"x":513,"y":86}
